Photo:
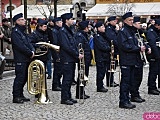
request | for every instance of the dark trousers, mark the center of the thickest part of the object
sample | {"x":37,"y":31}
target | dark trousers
{"x":154,"y":69}
{"x":57,"y":74}
{"x":68,"y":73}
{"x":127,"y":80}
{"x":80,"y":89}
{"x":2,"y":67}
{"x":138,"y":79}
{"x":21,"y":72}
{"x":102,"y":69}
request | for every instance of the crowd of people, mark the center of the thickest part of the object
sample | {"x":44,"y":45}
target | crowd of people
{"x":132,"y":42}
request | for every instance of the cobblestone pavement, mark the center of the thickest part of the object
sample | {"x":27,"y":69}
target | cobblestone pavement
{"x":100,"y":106}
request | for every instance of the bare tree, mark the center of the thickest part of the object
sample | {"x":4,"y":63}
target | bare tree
{"x":119,"y":9}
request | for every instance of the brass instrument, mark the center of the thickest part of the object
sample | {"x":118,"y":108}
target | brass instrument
{"x":112,"y":64}
{"x":37,"y":84}
{"x":45,"y":46}
{"x":143,"y":54}
{"x":82,"y":77}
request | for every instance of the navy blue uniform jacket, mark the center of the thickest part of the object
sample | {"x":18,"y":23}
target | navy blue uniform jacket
{"x":68,"y":48}
{"x":111,"y":34}
{"x":128,"y":46}
{"x":101,"y":48}
{"x":152,"y":38}
{"x":81,"y":37}
{"x":39,"y":36}
{"x":22,"y":48}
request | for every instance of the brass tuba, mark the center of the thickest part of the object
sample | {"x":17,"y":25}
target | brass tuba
{"x":37,"y":84}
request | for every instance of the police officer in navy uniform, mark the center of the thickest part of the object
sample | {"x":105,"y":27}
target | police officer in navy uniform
{"x":69,"y":55}
{"x":153,"y":36}
{"x":135,"y":96}
{"x":57,"y":72}
{"x":23,"y":52}
{"x":111,"y":34}
{"x":40,"y":35}
{"x":82,"y":38}
{"x":102,"y":56}
{"x":128,"y":50}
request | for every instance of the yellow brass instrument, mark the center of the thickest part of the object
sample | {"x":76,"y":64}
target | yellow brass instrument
{"x":45,"y":46}
{"x":37,"y":84}
{"x":36,"y":81}
{"x":112,"y":64}
{"x":82,"y":77}
{"x":143,"y":54}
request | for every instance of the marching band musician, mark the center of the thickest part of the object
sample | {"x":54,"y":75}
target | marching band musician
{"x":102,"y":56}
{"x":111,"y":34}
{"x":135,"y":96}
{"x":128,"y":50}
{"x":23,"y":53}
{"x":69,"y":55}
{"x":57,"y":72}
{"x":82,"y":38}
{"x":154,"y":58}
{"x":40,"y":35}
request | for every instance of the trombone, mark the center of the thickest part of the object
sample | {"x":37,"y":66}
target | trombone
{"x":83,"y":79}
{"x":143,"y":54}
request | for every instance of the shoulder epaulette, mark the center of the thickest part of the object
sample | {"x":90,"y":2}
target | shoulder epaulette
{"x":151,"y":29}
{"x":122,"y":29}
{"x":79,"y":34}
{"x":62,"y":28}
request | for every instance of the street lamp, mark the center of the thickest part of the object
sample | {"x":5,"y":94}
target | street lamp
{"x":79,"y":13}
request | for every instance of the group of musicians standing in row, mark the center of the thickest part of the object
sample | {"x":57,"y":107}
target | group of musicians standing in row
{"x":59,"y":32}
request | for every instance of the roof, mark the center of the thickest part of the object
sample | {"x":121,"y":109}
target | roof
{"x":137,"y":9}
{"x":36,"y":11}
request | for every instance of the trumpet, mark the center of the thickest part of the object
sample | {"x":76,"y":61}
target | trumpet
{"x":142,"y":54}
{"x":43,"y":48}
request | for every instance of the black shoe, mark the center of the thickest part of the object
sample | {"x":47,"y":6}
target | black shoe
{"x":127,"y":106}
{"x":49,"y":77}
{"x":102,"y":90}
{"x":87,"y":96}
{"x":56,"y":89}
{"x":82,"y":97}
{"x":74,"y":101}
{"x":18,"y":100}
{"x":113,"y":85}
{"x":153,"y":92}
{"x":25,"y":99}
{"x":137,"y":99}
{"x":67,"y":102}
